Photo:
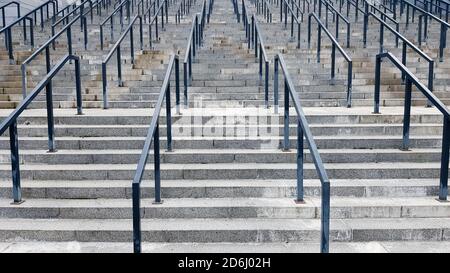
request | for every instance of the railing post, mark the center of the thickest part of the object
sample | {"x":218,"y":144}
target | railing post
{"x":10,"y":47}
{"x":168,"y":118}
{"x":14,"y":146}
{"x":443,"y":185}
{"x":376,"y":109}
{"x":442,"y":41}
{"x":407,"y":114}
{"x":419,"y":34}
{"x":185,"y":80}
{"x":49,"y":100}
{"x":78,"y":86}
{"x":403,"y":60}
{"x":325,"y":218}
{"x":177,"y":85}
{"x":266,"y":83}
{"x":105,"y":86}
{"x":119,"y":67}
{"x":333,"y":62}
{"x":349,"y":84}
{"x":136,"y":191}
{"x":157,"y":166}
{"x":365,"y":25}
{"x":319,"y":34}
{"x":286,"y":116}
{"x":299,"y":199}
{"x":275,"y":85}
{"x":298,"y":35}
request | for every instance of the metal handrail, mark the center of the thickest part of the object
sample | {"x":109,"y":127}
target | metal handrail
{"x":254,"y":36}
{"x":83,"y":21}
{"x":303,"y":130}
{"x":116,"y":49}
{"x":3,"y":11}
{"x":110,"y":18}
{"x":23,"y":19}
{"x":184,"y":8}
{"x":11,"y":121}
{"x":153,"y":137}
{"x":383,"y":17}
{"x":338,"y":15}
{"x":406,"y":43}
{"x":425,"y":5}
{"x":195,"y":40}
{"x":357,"y":8}
{"x":410,"y":79}
{"x":443,"y":30}
{"x":162,"y":9}
{"x":262,"y":7}
{"x":287,"y":9}
{"x":81,"y":7}
{"x":68,"y":30}
{"x":334,"y":45}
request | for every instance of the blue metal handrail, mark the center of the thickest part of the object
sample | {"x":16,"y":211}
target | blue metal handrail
{"x":406,"y":43}
{"x":163,"y":9}
{"x":184,"y":8}
{"x":8,"y":32}
{"x":116,"y":49}
{"x":334,"y":45}
{"x":65,"y":19}
{"x":429,"y":5}
{"x":11,"y":121}
{"x":262,"y":7}
{"x":195,"y":40}
{"x":294,"y":17}
{"x":153,"y":137}
{"x":66,"y":29}
{"x":329,"y":7}
{"x":110,"y":18}
{"x":443,"y":31}
{"x":411,"y":79}
{"x":254,"y":38}
{"x":2,"y":8}
{"x":303,"y":130}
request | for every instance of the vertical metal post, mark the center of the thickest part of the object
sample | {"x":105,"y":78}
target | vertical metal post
{"x":376,"y":109}
{"x":407,"y":114}
{"x":78,"y":87}
{"x":49,"y":100}
{"x":443,"y":184}
{"x":319,"y":38}
{"x":349,"y":84}
{"x":157,"y":166}
{"x":136,"y":191}
{"x":299,"y":162}
{"x":286,"y":116}
{"x":185,"y":80}
{"x":403,"y":60}
{"x":381,"y":38}
{"x":177,"y":85}
{"x":14,"y":145}
{"x":168,"y":119}
{"x":275,"y":85}
{"x":105,"y":83}
{"x":325,"y":218}
{"x":119,"y":68}
{"x":333,"y":62}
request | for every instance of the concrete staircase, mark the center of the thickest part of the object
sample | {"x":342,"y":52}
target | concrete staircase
{"x":227,"y":186}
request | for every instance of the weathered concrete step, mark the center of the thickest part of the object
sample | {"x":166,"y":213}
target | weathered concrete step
{"x":226,"y":230}
{"x":231,"y":128}
{"x":204,"y":156}
{"x":246,"y":142}
{"x":19,"y":246}
{"x":239,"y":188}
{"x":227,"y":171}
{"x":286,"y":208}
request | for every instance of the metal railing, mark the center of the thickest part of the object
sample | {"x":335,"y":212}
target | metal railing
{"x":11,"y":121}
{"x":426,"y":14}
{"x":116,"y":49}
{"x":263,"y":7}
{"x":22,"y":20}
{"x":184,"y":8}
{"x":411,"y":79}
{"x":406,"y":43}
{"x":336,"y":17}
{"x":81,"y":17}
{"x":195,"y":40}
{"x":355,"y":4}
{"x":110,"y":19}
{"x":162,"y":9}
{"x":294,"y":17}
{"x":255,"y":40}
{"x":153,"y":138}
{"x":334,"y":45}
{"x":46,"y":46}
{"x":428,"y":6}
{"x":2,"y":8}
{"x":384,"y":16}
{"x":303,"y":131}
